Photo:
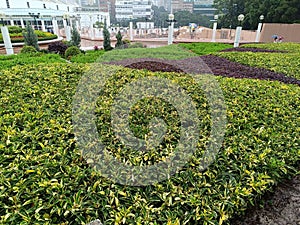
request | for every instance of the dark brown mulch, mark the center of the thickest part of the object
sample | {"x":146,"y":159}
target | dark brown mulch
{"x":155,"y":66}
{"x":208,"y":64}
{"x":252,"y":50}
{"x":224,"y":67}
{"x":193,"y":65}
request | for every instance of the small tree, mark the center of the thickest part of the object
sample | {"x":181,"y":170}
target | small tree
{"x":30,"y":38}
{"x":106,"y":36}
{"x":119,"y":43}
{"x":75,"y":37}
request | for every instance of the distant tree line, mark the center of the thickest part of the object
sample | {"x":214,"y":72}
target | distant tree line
{"x":274,"y":11}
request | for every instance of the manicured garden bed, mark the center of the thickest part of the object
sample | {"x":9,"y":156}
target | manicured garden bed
{"x":288,"y":64}
{"x":8,"y":61}
{"x":16,"y":35}
{"x":205,"y":48}
{"x":45,"y":180}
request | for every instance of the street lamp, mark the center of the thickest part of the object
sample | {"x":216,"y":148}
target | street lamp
{"x":66,"y":17}
{"x":130,"y":28}
{"x":241,"y":17}
{"x":213,"y":39}
{"x":261,"y":18}
{"x":171,"y":22}
{"x":34,"y":17}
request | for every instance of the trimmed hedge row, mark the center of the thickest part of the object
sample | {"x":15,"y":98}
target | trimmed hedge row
{"x":9,"y":61}
{"x":42,"y":36}
{"x":45,"y":180}
{"x":205,"y":48}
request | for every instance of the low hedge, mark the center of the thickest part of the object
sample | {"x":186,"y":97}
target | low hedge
{"x":72,"y":51}
{"x":205,"y":48}
{"x":28,"y":50}
{"x":9,"y":61}
{"x":90,"y":56}
{"x":42,"y":36}
{"x":45,"y":180}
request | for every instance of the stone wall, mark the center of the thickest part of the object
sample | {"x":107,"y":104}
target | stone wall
{"x":221,"y":34}
{"x":290,"y":32}
{"x":18,"y":46}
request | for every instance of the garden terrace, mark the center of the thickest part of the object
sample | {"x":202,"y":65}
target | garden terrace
{"x":44,"y":178}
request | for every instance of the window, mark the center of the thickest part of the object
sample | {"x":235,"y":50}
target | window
{"x":44,"y":5}
{"x":28,"y":6}
{"x":7,"y":4}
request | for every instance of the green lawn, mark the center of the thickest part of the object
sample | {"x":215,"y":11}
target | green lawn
{"x":171,"y":52}
{"x":205,"y":48}
{"x":9,"y":61}
{"x":90,"y":56}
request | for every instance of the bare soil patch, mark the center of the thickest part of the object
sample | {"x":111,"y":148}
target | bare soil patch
{"x":208,"y":64}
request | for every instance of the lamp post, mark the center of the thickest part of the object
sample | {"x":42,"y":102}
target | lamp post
{"x":241,"y":17}
{"x":34,"y":17}
{"x":66,"y":18}
{"x":171,"y":22}
{"x":146,"y":19}
{"x":261,"y":18}
{"x":130,"y":28}
{"x":213,"y":39}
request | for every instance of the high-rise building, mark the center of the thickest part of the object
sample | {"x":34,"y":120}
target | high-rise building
{"x":142,"y":8}
{"x":112,"y":9}
{"x":20,"y":13}
{"x":181,"y":5}
{"x":104,"y":5}
{"x":204,"y":7}
{"x":132,"y":9}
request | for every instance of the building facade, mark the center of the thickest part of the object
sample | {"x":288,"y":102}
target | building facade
{"x":47,"y":14}
{"x":132,"y":9}
{"x":204,"y":7}
{"x":182,"y":5}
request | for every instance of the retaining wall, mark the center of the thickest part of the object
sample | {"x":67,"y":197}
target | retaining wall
{"x":290,"y":32}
